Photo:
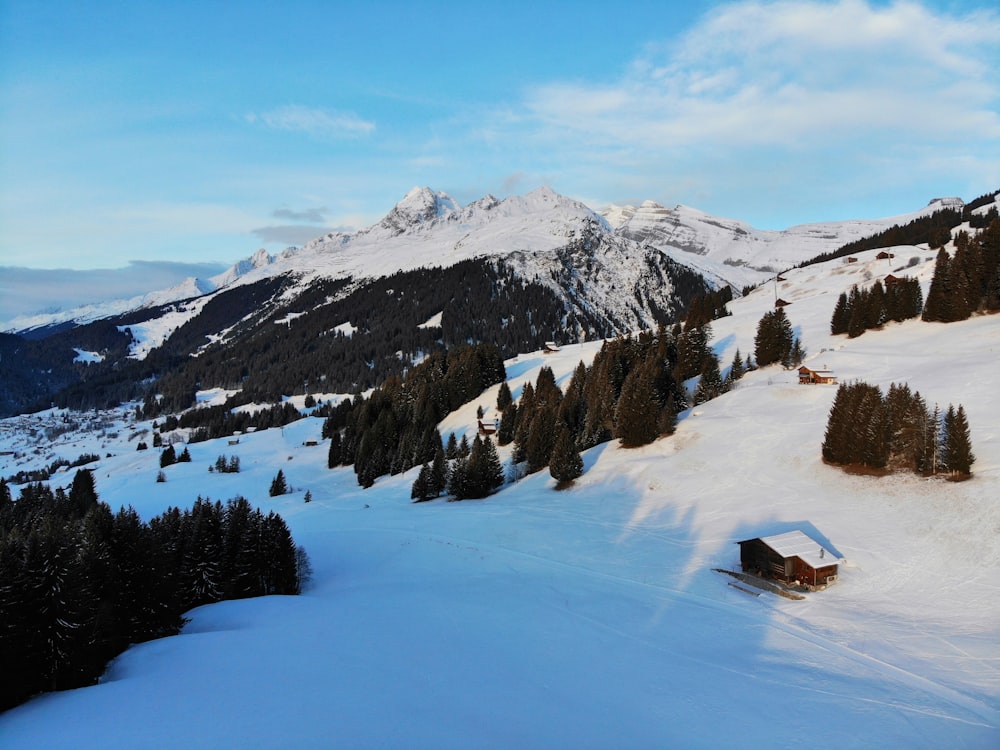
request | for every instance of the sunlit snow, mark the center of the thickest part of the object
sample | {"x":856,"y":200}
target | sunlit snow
{"x":591,"y":617}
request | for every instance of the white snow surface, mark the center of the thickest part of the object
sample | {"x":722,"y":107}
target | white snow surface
{"x":738,"y":253}
{"x":590,"y":617}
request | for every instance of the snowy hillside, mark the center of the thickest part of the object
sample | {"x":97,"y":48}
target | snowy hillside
{"x":736,"y":251}
{"x":589,"y":617}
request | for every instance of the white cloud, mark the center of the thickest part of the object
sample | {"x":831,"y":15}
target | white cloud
{"x":772,"y":96}
{"x":319,"y":123}
{"x":760,"y":72}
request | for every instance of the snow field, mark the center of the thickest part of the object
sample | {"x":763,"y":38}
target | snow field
{"x":591,"y":618}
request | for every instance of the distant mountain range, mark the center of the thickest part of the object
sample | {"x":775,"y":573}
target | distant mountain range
{"x":515,"y":272}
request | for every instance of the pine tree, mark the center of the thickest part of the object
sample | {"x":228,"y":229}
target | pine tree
{"x":541,"y":437}
{"x":736,"y":370}
{"x":438,"y":479}
{"x":457,"y":479}
{"x":637,"y":411}
{"x":566,"y":463}
{"x":508,"y":418}
{"x":938,"y":304}
{"x":710,"y":385}
{"x":278,"y":485}
{"x":82,"y":494}
{"x":957,"y":455}
{"x":168,"y":457}
{"x":420,"y":491}
{"x":774,"y":339}
{"x":504,"y":398}
{"x":451,"y":449}
{"x":333,"y":456}
{"x":841,"y":315}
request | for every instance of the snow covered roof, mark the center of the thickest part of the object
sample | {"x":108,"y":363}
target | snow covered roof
{"x":797,"y":544}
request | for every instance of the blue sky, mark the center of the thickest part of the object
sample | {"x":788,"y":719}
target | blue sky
{"x":196,"y":132}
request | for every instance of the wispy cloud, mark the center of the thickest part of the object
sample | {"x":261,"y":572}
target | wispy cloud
{"x":308,"y":215}
{"x":316,"y":122}
{"x":765,"y":72}
{"x":289,"y":234}
{"x":780,"y":87}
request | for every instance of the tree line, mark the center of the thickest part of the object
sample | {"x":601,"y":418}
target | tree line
{"x":864,"y":309}
{"x":969,"y":281}
{"x":395,"y":428}
{"x":79,"y":583}
{"x":896,"y":432}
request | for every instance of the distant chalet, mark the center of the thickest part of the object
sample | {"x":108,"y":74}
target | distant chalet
{"x":550,"y":347}
{"x":791,"y":557}
{"x":781,"y":302}
{"x":808,"y":376}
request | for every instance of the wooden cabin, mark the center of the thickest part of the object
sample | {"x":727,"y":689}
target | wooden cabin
{"x":550,"y":347}
{"x":791,"y":557}
{"x":781,"y":303}
{"x":852,"y":260}
{"x":808,"y":376}
{"x":489,"y":428}
{"x":891,"y":280}
{"x":884,"y":255}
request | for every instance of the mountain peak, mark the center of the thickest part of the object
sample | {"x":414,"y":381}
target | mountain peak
{"x":419,"y":206}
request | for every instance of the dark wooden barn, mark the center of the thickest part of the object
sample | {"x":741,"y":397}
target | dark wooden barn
{"x":791,"y":557}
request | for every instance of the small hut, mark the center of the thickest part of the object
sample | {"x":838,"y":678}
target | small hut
{"x":550,"y":347}
{"x":791,"y":557}
{"x":808,"y":376}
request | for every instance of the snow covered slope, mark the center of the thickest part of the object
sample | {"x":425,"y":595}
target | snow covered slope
{"x":592,"y":617}
{"x":736,"y":251}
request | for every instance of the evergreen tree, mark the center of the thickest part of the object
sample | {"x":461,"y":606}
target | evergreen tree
{"x":508,"y":418}
{"x":438,"y":479}
{"x":736,"y":370}
{"x":774,"y":340}
{"x":504,"y":398}
{"x":637,"y":411}
{"x":566,"y":463}
{"x":420,"y":491}
{"x":278,"y":485}
{"x":957,"y":455}
{"x":457,"y":479}
{"x":451,"y":450}
{"x":938,"y":306}
{"x":333,"y":456}
{"x":168,"y":457}
{"x":82,"y":494}
{"x":710,"y":384}
{"x":841,"y":316}
{"x":541,"y":436}
{"x":491,"y":467}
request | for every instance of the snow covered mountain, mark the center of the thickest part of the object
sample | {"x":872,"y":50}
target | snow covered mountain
{"x":428,"y":228}
{"x":515,"y":272}
{"x":738,"y":253}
